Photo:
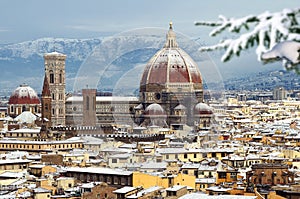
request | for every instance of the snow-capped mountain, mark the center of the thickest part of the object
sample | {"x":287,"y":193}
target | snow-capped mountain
{"x":75,"y":49}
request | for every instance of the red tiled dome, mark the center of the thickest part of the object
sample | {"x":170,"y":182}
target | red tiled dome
{"x":24,"y":94}
{"x":171,"y":65}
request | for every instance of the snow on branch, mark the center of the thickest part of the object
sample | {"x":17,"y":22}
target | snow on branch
{"x":268,"y":29}
{"x":287,"y":51}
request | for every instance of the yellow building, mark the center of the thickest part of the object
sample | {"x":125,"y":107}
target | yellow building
{"x":162,"y":181}
{"x":41,"y":193}
{"x":226,"y":175}
{"x":64,"y":183}
{"x":181,"y":154}
{"x":40,"y":146}
{"x":217,"y":153}
{"x":40,"y":169}
{"x":14,"y":164}
{"x":203,"y":183}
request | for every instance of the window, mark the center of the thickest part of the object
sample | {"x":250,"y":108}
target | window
{"x":87,"y":103}
{"x":60,"y":77}
{"x":185,"y":156}
{"x":196,"y":173}
{"x":123,"y":181}
{"x":114,"y":161}
{"x":195,"y":155}
{"x":108,"y":180}
{"x":233,"y":175}
{"x":60,"y":96}
{"x":51,"y":77}
{"x":222,"y":175}
{"x":116,"y":180}
{"x":53,"y":96}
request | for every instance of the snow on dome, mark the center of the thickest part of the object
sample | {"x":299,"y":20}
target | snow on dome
{"x":202,"y":108}
{"x":154,"y":109}
{"x":26,"y":117}
{"x":24,"y":94}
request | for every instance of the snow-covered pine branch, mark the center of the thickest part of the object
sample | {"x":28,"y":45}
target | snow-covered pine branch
{"x":268,"y":29}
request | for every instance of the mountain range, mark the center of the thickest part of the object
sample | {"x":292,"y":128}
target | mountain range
{"x":23,"y":62}
{"x":108,"y":63}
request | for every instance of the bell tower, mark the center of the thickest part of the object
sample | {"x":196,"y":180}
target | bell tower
{"x":55,"y":72}
{"x":46,"y":101}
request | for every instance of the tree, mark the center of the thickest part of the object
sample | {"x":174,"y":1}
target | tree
{"x":276,"y":36}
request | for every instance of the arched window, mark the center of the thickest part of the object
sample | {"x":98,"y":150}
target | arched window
{"x":51,"y":77}
{"x":60,"y":77}
{"x":46,"y":107}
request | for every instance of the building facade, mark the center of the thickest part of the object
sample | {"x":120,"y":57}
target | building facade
{"x":108,"y":109}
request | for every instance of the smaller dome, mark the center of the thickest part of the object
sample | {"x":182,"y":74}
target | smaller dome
{"x":202,"y":108}
{"x":24,"y":94}
{"x":180,"y":107}
{"x":154,"y":109}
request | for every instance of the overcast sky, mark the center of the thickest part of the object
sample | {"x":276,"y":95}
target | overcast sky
{"x":23,"y":20}
{"x":31,"y":19}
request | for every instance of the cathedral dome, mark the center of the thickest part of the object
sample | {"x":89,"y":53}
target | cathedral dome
{"x":202,"y":109}
{"x":24,"y":94}
{"x":171,"y":67}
